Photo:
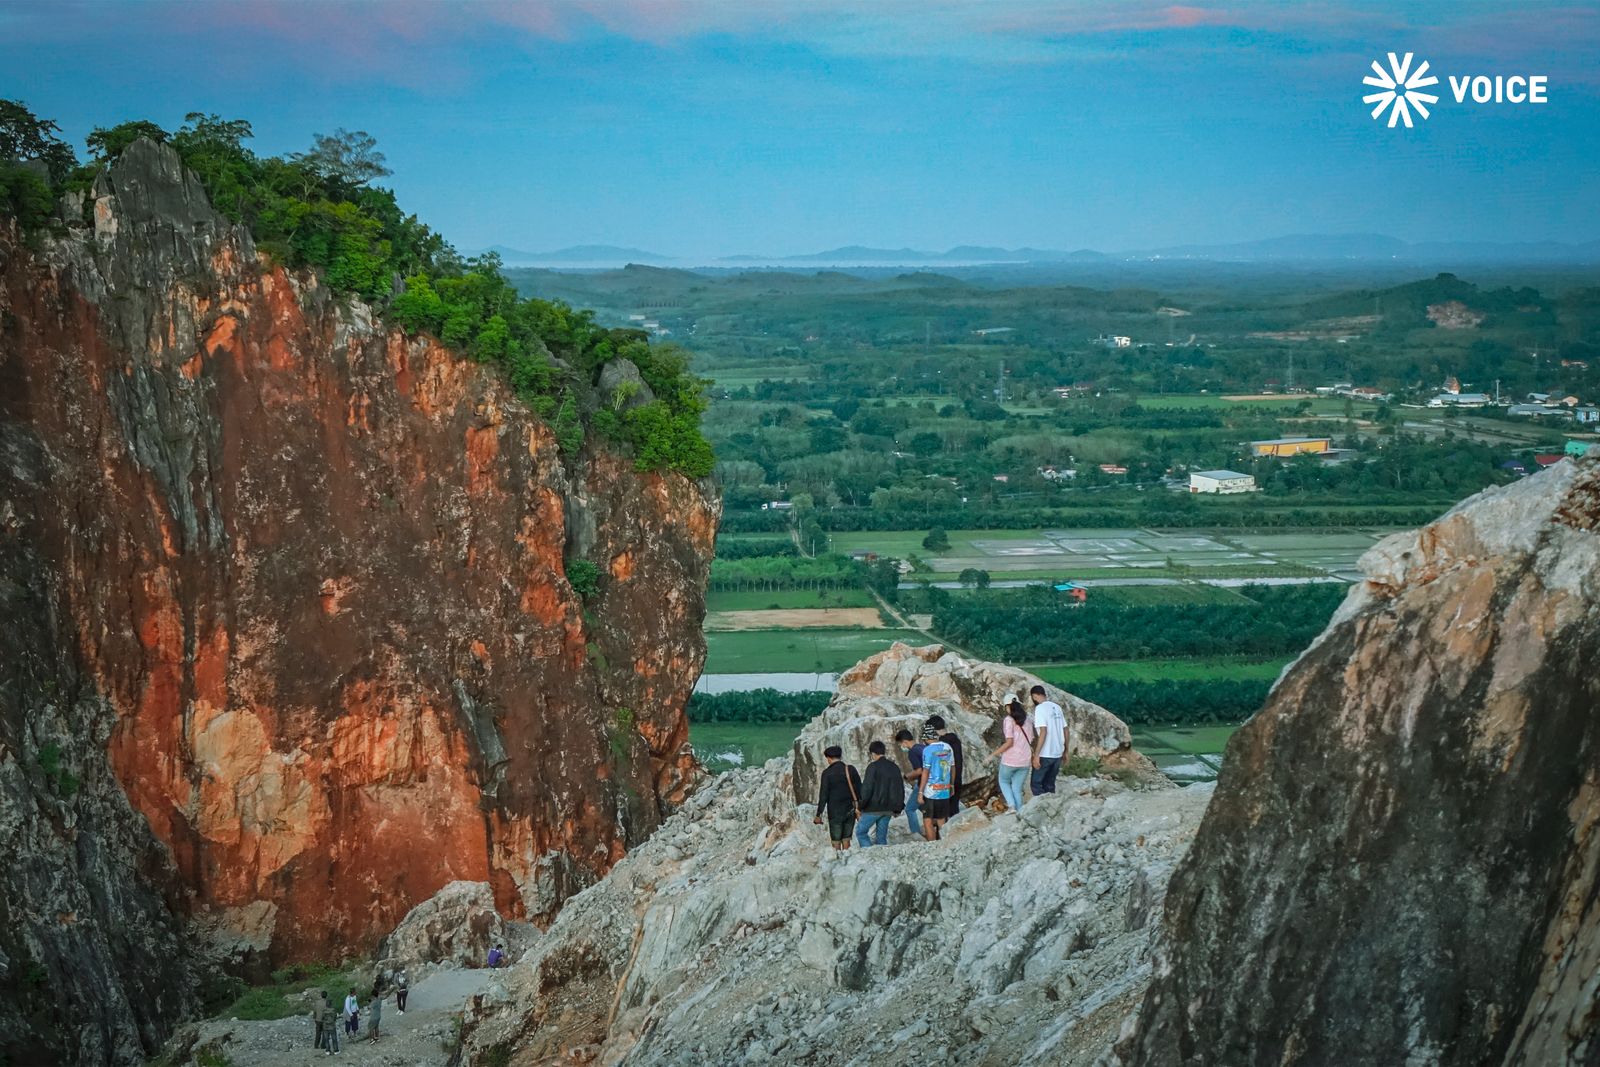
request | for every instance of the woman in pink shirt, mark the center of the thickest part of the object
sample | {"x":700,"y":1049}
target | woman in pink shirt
{"x":1016,"y":755}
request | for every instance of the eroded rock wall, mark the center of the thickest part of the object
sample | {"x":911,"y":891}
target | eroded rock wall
{"x":1402,"y":860}
{"x":290,"y":606}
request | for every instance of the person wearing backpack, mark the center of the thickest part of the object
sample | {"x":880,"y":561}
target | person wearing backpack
{"x":882,"y":797}
{"x":937,"y":782}
{"x":1016,"y":754}
{"x":839,"y":793}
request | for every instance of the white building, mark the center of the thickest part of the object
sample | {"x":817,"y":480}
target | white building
{"x":1461,"y":400}
{"x":1221,"y":482}
{"x":1586,"y":414}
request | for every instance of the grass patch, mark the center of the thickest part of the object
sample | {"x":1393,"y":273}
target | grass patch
{"x":768,"y":651}
{"x":281,"y":998}
{"x":1068,"y":675}
{"x":787,"y":599}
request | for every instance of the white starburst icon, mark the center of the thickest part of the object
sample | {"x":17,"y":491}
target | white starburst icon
{"x":1399,"y":85}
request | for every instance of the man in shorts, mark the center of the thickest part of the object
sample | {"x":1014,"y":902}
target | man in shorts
{"x":839,"y":795}
{"x":937,"y":782}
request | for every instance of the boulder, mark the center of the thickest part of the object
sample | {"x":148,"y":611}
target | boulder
{"x":458,"y":924}
{"x":901,"y":686}
{"x":622,"y":387}
{"x":1401,"y":864}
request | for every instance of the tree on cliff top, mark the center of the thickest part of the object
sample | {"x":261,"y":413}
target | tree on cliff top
{"x":345,"y":156}
{"x":24,"y":136}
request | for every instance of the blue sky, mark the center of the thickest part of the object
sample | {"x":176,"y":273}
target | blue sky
{"x":710,"y":127}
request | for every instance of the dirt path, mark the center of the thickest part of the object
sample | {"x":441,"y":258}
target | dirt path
{"x":906,"y":624}
{"x":422,"y":1037}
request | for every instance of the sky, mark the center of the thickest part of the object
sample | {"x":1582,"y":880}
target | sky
{"x":701,"y":128}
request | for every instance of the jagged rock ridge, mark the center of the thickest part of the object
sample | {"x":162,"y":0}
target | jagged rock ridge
{"x":289,"y":643}
{"x":732,"y":936}
{"x":1402,"y":860}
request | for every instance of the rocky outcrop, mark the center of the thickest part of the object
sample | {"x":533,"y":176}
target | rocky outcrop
{"x":289,"y":641}
{"x":733,"y":936}
{"x":900,"y":687}
{"x":1402,"y":860}
{"x":457,"y":925}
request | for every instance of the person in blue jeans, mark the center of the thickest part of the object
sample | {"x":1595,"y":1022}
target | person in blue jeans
{"x":1051,"y":741}
{"x":882,"y":797}
{"x":1015,"y":753}
{"x":913,"y":750}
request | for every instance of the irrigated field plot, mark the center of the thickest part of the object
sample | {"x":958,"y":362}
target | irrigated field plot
{"x":783,"y":599}
{"x":1068,"y":675}
{"x":795,"y":619}
{"x":1070,"y":553}
{"x":761,"y":651}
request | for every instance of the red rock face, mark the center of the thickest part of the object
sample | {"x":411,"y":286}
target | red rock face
{"x":316,"y":570}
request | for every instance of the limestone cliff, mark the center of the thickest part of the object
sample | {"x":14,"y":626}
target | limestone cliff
{"x":1401,"y":864}
{"x":289,"y":639}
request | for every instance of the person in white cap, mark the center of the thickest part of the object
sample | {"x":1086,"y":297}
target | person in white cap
{"x":1016,"y":754}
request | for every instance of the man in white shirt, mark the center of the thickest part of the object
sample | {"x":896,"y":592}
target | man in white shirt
{"x":1051,"y":742}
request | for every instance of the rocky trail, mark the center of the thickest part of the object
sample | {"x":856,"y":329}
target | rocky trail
{"x":424,"y":1036}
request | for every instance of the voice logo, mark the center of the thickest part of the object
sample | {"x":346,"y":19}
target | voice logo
{"x":1400,"y":89}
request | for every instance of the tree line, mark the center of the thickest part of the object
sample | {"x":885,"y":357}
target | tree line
{"x":1168,"y":702}
{"x":767,"y":573}
{"x":1150,"y":702}
{"x":757,"y":705}
{"x":1277,"y":620}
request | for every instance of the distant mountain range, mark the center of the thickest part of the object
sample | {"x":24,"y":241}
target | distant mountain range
{"x":1295,"y":248}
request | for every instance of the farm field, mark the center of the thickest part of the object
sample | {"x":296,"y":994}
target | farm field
{"x":1068,"y":675}
{"x":1028,"y":553}
{"x":1185,"y":753}
{"x":786,"y":599}
{"x":795,"y":619}
{"x":764,"y":651}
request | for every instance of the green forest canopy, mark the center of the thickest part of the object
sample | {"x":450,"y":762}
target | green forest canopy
{"x":318,"y":209}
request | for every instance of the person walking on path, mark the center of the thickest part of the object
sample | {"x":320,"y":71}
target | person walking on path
{"x":838,"y":793}
{"x":400,"y":991}
{"x":352,"y":1014}
{"x":376,"y":1017}
{"x":1051,"y":743}
{"x":913,"y":751}
{"x":330,"y":1023}
{"x":937,"y":781}
{"x":882,"y":797}
{"x":1016,"y":754}
{"x":949,"y":737}
{"x":319,"y":1008}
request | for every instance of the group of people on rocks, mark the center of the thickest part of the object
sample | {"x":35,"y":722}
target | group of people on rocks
{"x":329,"y":1022}
{"x":1035,"y":745}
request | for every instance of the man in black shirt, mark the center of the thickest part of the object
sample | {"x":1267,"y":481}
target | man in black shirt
{"x":838,"y":793}
{"x":882,"y":798}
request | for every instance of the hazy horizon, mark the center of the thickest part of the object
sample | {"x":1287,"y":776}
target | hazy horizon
{"x":700,"y":129}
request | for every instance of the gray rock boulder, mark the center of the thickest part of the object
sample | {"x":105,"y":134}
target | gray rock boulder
{"x":622,"y":387}
{"x":1401,"y":864}
{"x":901,"y":686}
{"x":458,"y":924}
